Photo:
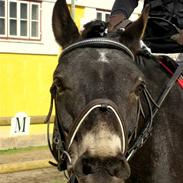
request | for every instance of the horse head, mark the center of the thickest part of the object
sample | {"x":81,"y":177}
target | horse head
{"x":96,"y":91}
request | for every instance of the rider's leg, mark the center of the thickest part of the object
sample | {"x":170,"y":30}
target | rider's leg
{"x":121,"y":11}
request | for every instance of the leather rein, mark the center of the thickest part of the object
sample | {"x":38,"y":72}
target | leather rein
{"x":64,"y":143}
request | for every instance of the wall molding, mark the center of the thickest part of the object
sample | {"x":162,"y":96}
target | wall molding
{"x":6,"y":121}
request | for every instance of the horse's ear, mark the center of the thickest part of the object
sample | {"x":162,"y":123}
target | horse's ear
{"x":134,"y":32}
{"x":64,"y":28}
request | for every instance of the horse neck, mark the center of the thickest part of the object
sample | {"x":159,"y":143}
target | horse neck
{"x":160,"y":159}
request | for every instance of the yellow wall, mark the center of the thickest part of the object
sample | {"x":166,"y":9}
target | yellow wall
{"x":79,"y":13}
{"x":24,"y":83}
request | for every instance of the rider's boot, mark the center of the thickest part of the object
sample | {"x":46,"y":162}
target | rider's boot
{"x":117,"y":21}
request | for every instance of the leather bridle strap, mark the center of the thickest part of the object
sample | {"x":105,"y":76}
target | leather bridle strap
{"x":47,"y":121}
{"x":94,"y":104}
{"x":59,"y":137}
{"x":99,"y":43}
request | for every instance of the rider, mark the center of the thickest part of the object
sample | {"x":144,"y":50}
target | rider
{"x":168,"y":9}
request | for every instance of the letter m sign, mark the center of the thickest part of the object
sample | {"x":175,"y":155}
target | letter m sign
{"x":20,"y":124}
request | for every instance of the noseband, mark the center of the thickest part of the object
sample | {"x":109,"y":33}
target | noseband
{"x":64,"y":143}
{"x":103,"y":104}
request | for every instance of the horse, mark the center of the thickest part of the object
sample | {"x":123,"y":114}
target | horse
{"x":117,"y":118}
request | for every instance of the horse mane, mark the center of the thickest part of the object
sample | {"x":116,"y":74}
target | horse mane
{"x":93,"y":29}
{"x":97,"y":28}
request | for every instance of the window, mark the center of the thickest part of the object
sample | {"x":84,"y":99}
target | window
{"x":2,"y":17}
{"x":34,"y":20}
{"x":13,"y":19}
{"x":20,"y":19}
{"x":102,"y":15}
{"x":23,"y":19}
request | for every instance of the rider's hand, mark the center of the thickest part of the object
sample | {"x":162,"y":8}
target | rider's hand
{"x":115,"y":21}
{"x":178,"y":37}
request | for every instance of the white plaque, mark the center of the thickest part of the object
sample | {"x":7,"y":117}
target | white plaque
{"x":20,"y":124}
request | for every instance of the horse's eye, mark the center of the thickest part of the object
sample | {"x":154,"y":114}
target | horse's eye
{"x":139,"y":89}
{"x":60,"y":87}
{"x":57,"y":87}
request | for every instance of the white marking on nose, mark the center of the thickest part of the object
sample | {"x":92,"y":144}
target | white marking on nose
{"x":100,"y":141}
{"x":102,"y":144}
{"x":103,"y":57}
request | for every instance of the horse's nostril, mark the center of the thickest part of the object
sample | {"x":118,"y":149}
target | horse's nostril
{"x":87,"y":167}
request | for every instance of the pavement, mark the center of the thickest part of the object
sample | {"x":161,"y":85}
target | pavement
{"x":43,"y":175}
{"x":24,"y":159}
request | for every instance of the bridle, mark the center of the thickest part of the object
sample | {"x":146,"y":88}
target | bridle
{"x":64,"y":143}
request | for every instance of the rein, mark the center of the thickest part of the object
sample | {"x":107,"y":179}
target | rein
{"x":63,"y":142}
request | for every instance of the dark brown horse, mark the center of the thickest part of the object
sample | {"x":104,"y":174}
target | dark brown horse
{"x":110,"y":126}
